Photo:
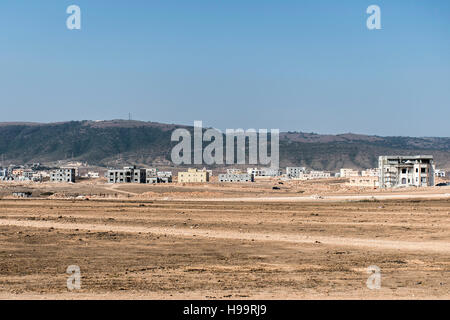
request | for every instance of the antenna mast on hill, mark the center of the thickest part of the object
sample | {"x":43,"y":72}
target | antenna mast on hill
{"x":129,"y":116}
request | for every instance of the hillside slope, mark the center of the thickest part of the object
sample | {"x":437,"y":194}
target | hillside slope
{"x":117,"y":142}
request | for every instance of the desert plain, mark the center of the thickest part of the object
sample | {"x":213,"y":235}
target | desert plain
{"x":305,"y":240}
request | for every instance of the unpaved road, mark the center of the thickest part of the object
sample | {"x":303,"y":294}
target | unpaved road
{"x":375,"y":196}
{"x":225,"y":249}
{"x":427,"y":246}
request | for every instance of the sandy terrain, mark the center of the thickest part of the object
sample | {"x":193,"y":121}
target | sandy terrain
{"x":232,"y":242}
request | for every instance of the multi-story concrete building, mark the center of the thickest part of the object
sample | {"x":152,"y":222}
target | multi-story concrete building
{"x":63,"y":175}
{"x":236,"y":177}
{"x":164,"y":176}
{"x":193,"y":176}
{"x":133,"y":175}
{"x":403,"y":171}
{"x":125,"y":175}
{"x":138,"y":175}
{"x":295,"y":172}
{"x":151,"y":176}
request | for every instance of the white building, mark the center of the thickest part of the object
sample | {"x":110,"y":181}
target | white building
{"x":317,"y":175}
{"x":93,"y":175}
{"x":236,"y":177}
{"x":264,"y":172}
{"x":312,"y":175}
{"x":439,"y":173}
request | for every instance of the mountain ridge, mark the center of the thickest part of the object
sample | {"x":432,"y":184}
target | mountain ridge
{"x":117,"y":142}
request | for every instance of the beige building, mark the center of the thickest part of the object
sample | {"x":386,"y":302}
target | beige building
{"x":347,"y":173}
{"x":371,"y":172}
{"x":193,"y":176}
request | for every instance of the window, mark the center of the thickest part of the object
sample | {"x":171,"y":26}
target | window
{"x":403,"y":170}
{"x":423,"y":170}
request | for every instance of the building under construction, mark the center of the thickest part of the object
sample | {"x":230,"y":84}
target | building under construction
{"x":406,"y":171}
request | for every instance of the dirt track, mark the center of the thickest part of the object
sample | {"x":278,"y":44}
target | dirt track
{"x":434,"y":246}
{"x":179,"y":249}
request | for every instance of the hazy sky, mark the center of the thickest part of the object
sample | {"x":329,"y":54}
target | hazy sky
{"x":292,"y":65}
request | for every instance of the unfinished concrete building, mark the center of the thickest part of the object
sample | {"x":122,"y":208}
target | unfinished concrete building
{"x":63,"y":175}
{"x":164,"y":176}
{"x":125,"y":175}
{"x":133,"y":175}
{"x":295,"y":172}
{"x":236,"y":177}
{"x":139,"y":175}
{"x":404,"y":171}
{"x":150,"y":176}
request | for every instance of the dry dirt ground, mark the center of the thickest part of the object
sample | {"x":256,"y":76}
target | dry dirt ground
{"x":131,"y":244}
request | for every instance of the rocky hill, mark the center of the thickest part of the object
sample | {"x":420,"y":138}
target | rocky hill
{"x":118,"y":142}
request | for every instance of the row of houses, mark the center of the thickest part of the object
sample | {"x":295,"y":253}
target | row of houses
{"x":23,"y":174}
{"x":20,"y":175}
{"x":392,"y":171}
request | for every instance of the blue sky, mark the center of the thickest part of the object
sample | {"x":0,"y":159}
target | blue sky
{"x":308,"y":66}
